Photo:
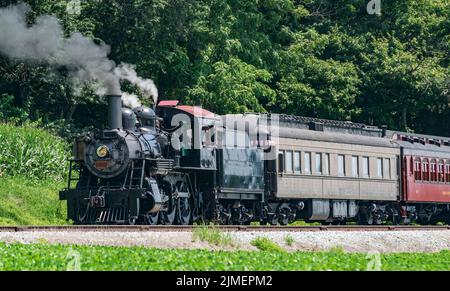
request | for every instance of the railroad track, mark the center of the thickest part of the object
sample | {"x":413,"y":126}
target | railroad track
{"x":175,"y":228}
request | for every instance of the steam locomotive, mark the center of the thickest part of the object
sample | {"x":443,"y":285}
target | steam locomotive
{"x":182,"y":164}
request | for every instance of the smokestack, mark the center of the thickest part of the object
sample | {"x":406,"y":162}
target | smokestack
{"x":114,"y":111}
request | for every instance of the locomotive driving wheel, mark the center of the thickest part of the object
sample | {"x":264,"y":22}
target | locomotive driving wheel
{"x":168,"y":216}
{"x":184,"y":207}
{"x":150,"y":219}
{"x":170,"y":205}
{"x":184,"y":211}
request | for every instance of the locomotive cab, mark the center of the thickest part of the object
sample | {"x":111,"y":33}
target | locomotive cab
{"x":192,"y":130}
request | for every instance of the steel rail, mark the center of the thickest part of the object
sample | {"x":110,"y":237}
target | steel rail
{"x":175,"y":228}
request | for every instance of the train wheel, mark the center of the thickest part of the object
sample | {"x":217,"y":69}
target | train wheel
{"x":223,"y":215}
{"x":283,"y":220}
{"x":150,"y":219}
{"x":183,"y":203}
{"x":285,"y":214}
{"x":397,"y":219}
{"x":363,"y":218}
{"x":273,"y":219}
{"x":132,"y":221}
{"x":168,"y":216}
{"x":184,"y":211}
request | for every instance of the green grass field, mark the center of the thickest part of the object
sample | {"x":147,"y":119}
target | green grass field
{"x":33,"y":166}
{"x":27,"y":202}
{"x":32,"y":169}
{"x":57,"y":257}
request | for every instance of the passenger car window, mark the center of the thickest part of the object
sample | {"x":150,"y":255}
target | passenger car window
{"x":297,"y":164}
{"x":365,"y":166}
{"x":318,"y":163}
{"x":447,"y":171}
{"x":417,"y":169}
{"x":341,"y":165}
{"x":280,"y":161}
{"x":441,"y":168}
{"x":288,"y":164}
{"x":355,"y":166}
{"x":326,"y":164}
{"x":433,"y":170}
{"x":425,"y":170}
{"x":387,"y":168}
{"x":380,"y":167}
{"x":308,"y":163}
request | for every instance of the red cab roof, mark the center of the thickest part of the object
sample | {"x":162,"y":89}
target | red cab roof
{"x":196,"y":111}
{"x":170,"y":103}
{"x":192,"y":110}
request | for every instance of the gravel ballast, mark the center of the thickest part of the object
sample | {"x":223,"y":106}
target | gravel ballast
{"x":351,"y":241}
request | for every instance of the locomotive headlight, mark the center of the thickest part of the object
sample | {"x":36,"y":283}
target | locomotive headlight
{"x":102,"y":151}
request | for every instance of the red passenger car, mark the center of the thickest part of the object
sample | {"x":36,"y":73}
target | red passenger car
{"x":425,"y":169}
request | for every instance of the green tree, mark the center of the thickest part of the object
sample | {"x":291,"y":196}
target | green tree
{"x":321,"y":58}
{"x":314,"y":84}
{"x":233,"y":87}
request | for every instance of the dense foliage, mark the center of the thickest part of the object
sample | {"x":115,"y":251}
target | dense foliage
{"x":33,"y":153}
{"x":321,"y":58}
{"x":61,"y":257}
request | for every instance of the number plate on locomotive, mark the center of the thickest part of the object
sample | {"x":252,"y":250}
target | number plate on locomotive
{"x":101,"y":165}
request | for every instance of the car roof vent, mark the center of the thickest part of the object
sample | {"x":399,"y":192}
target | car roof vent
{"x":317,"y":126}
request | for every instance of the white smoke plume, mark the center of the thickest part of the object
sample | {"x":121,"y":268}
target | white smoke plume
{"x":130,"y":100}
{"x":86,"y":61}
{"x":146,"y":86}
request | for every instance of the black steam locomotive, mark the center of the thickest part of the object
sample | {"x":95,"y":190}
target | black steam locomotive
{"x":149,"y":168}
{"x":183,"y":164}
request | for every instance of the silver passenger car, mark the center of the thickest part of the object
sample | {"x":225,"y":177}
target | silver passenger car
{"x":330,"y":165}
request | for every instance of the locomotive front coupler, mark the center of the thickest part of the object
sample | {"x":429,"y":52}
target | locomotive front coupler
{"x":97,"y":201}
